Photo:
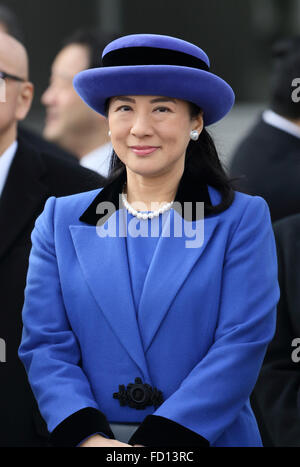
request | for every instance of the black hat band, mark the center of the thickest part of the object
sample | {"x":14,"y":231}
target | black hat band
{"x":132,"y":56}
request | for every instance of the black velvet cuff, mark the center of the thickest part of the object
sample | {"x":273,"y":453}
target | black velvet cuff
{"x":160,"y":431}
{"x":80,"y":425}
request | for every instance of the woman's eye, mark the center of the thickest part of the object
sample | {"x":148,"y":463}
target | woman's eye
{"x":124,"y":108}
{"x":162,"y":109}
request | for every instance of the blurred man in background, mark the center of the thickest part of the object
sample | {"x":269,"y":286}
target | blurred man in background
{"x":268,"y":159}
{"x":69,"y":122}
{"x":10,"y":24}
{"x":277,"y":391}
{"x":28,"y":177}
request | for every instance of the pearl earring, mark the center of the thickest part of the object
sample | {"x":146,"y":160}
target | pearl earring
{"x":109,"y":133}
{"x":194,"y":135}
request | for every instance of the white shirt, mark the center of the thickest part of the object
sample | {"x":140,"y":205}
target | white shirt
{"x":281,"y":123}
{"x":98,"y":160}
{"x":5,"y":162}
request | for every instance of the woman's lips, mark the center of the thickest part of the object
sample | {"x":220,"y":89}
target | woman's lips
{"x":143,"y":150}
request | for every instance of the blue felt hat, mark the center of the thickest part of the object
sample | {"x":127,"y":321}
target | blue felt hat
{"x":151,"y":64}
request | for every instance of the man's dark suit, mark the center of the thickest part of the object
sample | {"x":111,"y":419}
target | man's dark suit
{"x":268,"y":159}
{"x":32,"y":178}
{"x":278,"y":387}
{"x":41,"y":144}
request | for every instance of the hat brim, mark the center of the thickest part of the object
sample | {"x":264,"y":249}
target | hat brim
{"x":210,"y":92}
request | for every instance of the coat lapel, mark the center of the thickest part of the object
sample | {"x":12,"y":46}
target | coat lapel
{"x":113,"y":292}
{"x":105,"y":267}
{"x":22,"y":195}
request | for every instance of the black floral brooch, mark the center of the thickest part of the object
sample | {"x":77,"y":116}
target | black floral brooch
{"x":138,"y":395}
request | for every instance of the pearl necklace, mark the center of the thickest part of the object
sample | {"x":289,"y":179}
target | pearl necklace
{"x":141,"y":215}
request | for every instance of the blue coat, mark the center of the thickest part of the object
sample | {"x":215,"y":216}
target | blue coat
{"x":205,"y":318}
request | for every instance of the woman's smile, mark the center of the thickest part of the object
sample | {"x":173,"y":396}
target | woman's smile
{"x":143,"y":150}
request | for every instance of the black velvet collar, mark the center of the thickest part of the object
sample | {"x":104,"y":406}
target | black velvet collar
{"x":190,"y":189}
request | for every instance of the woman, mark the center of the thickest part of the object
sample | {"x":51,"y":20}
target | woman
{"x":157,"y":321}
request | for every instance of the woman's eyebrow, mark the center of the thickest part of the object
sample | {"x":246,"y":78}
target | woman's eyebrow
{"x":153,"y":101}
{"x":162,"y":99}
{"x":124,"y":99}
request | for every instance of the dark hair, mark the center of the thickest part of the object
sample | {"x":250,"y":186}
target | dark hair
{"x":93,"y":40}
{"x":286,"y":67}
{"x":10,"y":20}
{"x":202,"y":161}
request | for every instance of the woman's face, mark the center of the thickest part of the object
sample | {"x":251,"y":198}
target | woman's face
{"x":150,"y":134}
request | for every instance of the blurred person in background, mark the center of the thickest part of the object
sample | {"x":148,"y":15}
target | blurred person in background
{"x":27,"y":178}
{"x":277,"y":391}
{"x":268,"y":159}
{"x":69,"y":123}
{"x":10,"y":24}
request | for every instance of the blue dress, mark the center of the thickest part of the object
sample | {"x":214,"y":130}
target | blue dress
{"x":140,"y":251}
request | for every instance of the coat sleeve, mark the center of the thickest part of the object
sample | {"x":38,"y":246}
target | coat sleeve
{"x":210,"y":398}
{"x":49,"y":349}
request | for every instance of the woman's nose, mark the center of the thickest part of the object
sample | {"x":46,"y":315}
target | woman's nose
{"x":141,"y":126}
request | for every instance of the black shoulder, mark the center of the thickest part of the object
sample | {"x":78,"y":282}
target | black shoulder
{"x":287,"y":230}
{"x":40,"y":144}
{"x":69,"y":177}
